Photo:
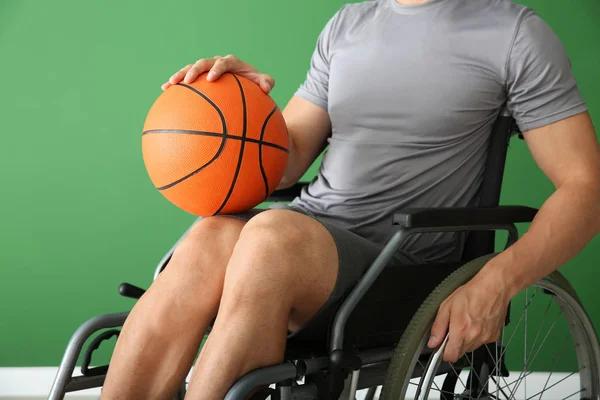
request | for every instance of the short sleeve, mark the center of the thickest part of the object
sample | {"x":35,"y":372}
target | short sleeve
{"x":316,"y":86}
{"x":540,"y":84}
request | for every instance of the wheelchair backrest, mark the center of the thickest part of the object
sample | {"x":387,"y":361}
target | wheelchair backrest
{"x":482,"y":243}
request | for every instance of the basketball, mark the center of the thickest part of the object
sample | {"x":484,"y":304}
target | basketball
{"x":215,"y":147}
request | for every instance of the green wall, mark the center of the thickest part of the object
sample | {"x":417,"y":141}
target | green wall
{"x":78,"y":213}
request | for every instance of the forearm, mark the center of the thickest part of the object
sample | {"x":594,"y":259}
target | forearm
{"x":567,"y":221}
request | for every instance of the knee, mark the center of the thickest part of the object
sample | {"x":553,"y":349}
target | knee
{"x":209,"y":238}
{"x":272,"y":250}
{"x":275,"y":234}
{"x":197,"y":267}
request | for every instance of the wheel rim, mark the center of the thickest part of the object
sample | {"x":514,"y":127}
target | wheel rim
{"x":537,"y":372}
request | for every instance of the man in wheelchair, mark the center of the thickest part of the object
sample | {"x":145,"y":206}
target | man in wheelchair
{"x":406,"y":95}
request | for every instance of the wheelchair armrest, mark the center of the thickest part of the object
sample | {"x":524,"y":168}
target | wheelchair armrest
{"x":463,"y":216}
{"x":287,"y":194}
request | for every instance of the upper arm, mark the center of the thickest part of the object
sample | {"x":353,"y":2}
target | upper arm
{"x":567,"y":150}
{"x":308,"y":127}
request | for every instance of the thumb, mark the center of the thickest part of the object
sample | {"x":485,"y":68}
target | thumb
{"x":439,"y":328}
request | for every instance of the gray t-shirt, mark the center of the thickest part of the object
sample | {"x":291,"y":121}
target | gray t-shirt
{"x":412,"y":93}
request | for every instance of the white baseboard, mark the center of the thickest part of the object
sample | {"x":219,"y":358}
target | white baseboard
{"x":34,"y":383}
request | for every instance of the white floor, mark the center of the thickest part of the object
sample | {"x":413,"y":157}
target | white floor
{"x":35,"y":383}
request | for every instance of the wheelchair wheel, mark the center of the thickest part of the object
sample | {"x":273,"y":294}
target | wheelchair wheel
{"x":548,"y":350}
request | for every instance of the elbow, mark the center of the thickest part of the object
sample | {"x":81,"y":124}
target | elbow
{"x":286,"y":182}
{"x":591,"y":190}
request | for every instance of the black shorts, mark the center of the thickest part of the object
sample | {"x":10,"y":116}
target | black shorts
{"x":355,"y":255}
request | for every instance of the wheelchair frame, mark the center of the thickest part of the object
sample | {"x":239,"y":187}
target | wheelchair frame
{"x":365,"y":368}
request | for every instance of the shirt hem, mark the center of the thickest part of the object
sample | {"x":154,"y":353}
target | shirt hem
{"x":555,"y":117}
{"x":319,"y":102}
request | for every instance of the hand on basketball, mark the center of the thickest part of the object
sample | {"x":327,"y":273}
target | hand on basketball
{"x":473,"y":315}
{"x":216,"y":67}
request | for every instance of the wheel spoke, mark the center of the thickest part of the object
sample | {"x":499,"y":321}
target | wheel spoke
{"x":498,"y":361}
{"x":571,"y":395}
{"x":518,"y":324}
{"x":507,"y":386}
{"x":553,"y":366}
{"x":470,"y":378}
{"x":495,"y":370}
{"x":554,"y":361}
{"x":542,"y":323}
{"x":526,"y":365}
{"x":497,"y":366}
{"x":544,"y":340}
{"x":457,"y":375}
{"x":538,"y":351}
{"x":554,"y":384}
{"x":473,"y":372}
{"x":523,"y":315}
{"x":500,"y":390}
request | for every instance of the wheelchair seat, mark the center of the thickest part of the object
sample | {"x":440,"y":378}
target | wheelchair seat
{"x":382,"y":314}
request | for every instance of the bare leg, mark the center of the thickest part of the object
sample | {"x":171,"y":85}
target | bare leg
{"x":282,"y":270}
{"x":162,"y":334}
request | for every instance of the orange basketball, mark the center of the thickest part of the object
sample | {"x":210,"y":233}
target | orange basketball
{"x":215,"y":147}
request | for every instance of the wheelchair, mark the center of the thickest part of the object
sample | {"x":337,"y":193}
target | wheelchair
{"x":378,"y":335}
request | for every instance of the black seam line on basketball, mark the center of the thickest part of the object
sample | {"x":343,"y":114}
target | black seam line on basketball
{"x":213,"y":134}
{"x":221,"y":147}
{"x":260,"y":163}
{"x":239,"y":164}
